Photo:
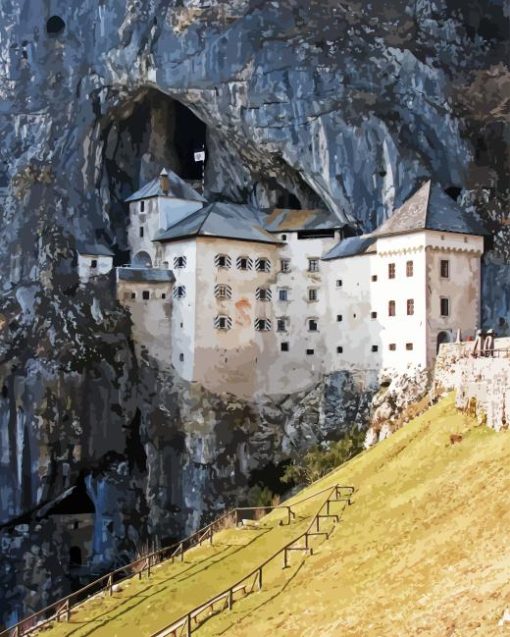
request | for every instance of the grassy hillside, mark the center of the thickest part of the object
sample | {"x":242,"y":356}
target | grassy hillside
{"x":422,"y":551}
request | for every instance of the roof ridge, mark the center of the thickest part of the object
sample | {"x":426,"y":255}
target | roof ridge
{"x":206,"y":216}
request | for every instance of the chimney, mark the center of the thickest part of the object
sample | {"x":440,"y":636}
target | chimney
{"x":164,"y":182}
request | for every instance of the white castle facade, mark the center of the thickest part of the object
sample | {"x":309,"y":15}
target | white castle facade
{"x":265,"y":302}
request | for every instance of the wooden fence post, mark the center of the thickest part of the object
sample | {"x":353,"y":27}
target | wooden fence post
{"x":259,"y":579}
{"x":230,"y":599}
{"x":188,"y":625}
{"x":68,"y":610}
{"x":182,"y":551}
{"x":288,"y":515}
{"x":109,"y":584}
{"x":285,"y":562}
{"x":149,"y":566}
{"x":210,"y":536}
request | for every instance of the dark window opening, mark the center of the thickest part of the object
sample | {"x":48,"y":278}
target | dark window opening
{"x":375,"y":348}
{"x":374,"y":277}
{"x":445,"y":269}
{"x":163,"y":296}
{"x":315,"y":234}
{"x":310,"y":352}
{"x":339,"y":350}
{"x":313,"y":325}
{"x":339,"y":318}
{"x":93,"y":263}
{"x":339,"y":283}
{"x":146,"y":295}
{"x":190,"y":138}
{"x":142,"y":206}
{"x":55,"y":25}
{"x":181,"y":357}
{"x":391,"y":270}
{"x":391,"y":308}
{"x":445,"y":307}
{"x":284,"y":347}
{"x":373,"y":315}
{"x":75,"y":556}
{"x":393,"y":347}
{"x":409,"y":347}
{"x":141,"y":231}
{"x":133,"y":295}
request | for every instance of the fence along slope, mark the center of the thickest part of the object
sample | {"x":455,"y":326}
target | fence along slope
{"x":182,"y":627}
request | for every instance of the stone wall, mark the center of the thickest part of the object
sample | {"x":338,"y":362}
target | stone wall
{"x":482,"y":383}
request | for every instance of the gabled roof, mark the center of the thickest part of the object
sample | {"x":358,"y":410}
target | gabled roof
{"x":430,"y":208}
{"x":226,"y":220}
{"x":179,"y":189}
{"x":351,"y":247}
{"x":153,"y":275}
{"x":284,"y":219}
{"x":93,"y":248}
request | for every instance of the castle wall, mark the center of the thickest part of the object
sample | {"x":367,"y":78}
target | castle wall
{"x":85,"y":269}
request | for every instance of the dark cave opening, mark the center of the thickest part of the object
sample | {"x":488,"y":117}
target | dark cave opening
{"x":55,"y":25}
{"x":270,"y":476}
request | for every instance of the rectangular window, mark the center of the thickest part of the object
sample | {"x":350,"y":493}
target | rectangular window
{"x":313,"y":265}
{"x":179,"y":262}
{"x":339,"y":350}
{"x":373,"y":315}
{"x":310,"y":352}
{"x":180,"y":292}
{"x":141,"y":231}
{"x":93,"y":264}
{"x":410,"y":307}
{"x":391,"y":270}
{"x":283,"y":294}
{"x":281,"y":325}
{"x":223,"y":322}
{"x":445,"y":269}
{"x":445,"y":307}
{"x":393,"y":347}
{"x":374,"y":277}
{"x":391,"y":308}
{"x":146,"y":295}
{"x":339,"y":283}
{"x":262,"y":325}
{"x":133,"y":295}
{"x":284,"y":265}
{"x":222,"y":291}
{"x":284,"y":347}
{"x":313,"y":294}
{"x":222,"y":261}
{"x":263,"y":294}
{"x":409,"y":268}
{"x":313,"y":325}
{"x":244,"y":263}
{"x":163,"y":296}
{"x":142,"y":206}
{"x":339,"y":318}
{"x":181,"y":357}
{"x":375,"y":348}
{"x":263,"y":265}
{"x":409,"y":346}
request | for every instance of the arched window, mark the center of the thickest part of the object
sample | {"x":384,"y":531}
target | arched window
{"x":142,"y":259}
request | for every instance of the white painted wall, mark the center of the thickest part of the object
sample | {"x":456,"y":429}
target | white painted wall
{"x":85,"y":269}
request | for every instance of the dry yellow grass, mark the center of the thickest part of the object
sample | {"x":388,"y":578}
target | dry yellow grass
{"x":422,"y":551}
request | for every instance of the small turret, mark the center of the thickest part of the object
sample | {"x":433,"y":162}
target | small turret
{"x":164,"y":182}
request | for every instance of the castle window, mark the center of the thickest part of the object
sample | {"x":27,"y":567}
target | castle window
{"x":339,"y":350}
{"x":163,"y":296}
{"x":409,"y":268}
{"x":373,"y":315}
{"x":283,"y":294}
{"x":393,"y":347}
{"x":223,"y":292}
{"x":281,"y":324}
{"x":339,"y":318}
{"x":244,"y":263}
{"x":284,"y":237}
{"x":141,"y":231}
{"x":223,"y":322}
{"x":313,"y":265}
{"x":391,"y":308}
{"x":180,"y":262}
{"x":313,"y":325}
{"x":374,"y":277}
{"x":313,"y":294}
{"x":339,"y":283}
{"x":146,"y":295}
{"x":310,"y":352}
{"x":93,"y":263}
{"x":133,"y":295}
{"x":263,"y":294}
{"x":284,"y":265}
{"x":181,"y":357}
{"x":445,"y":306}
{"x":263,"y":265}
{"x":445,"y":269}
{"x":375,"y":348}
{"x":222,"y":261}
{"x":284,"y":347}
{"x":391,"y":270}
{"x":180,"y":292}
{"x":410,"y":307}
{"x":142,"y":206}
{"x":409,"y":347}
{"x":262,"y":325}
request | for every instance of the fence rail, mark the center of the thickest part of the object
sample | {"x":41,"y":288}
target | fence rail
{"x":184,"y":626}
{"x":62,"y":608}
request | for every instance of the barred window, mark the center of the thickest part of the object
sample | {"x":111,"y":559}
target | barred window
{"x":262,"y":325}
{"x":313,"y":294}
{"x":313,"y":265}
{"x":284,"y":265}
{"x":445,"y":269}
{"x":263,"y":265}
{"x":281,"y":324}
{"x":445,"y":307}
{"x":223,"y":292}
{"x":391,"y":308}
{"x":222,"y":322}
{"x":179,"y":292}
{"x":391,"y":270}
{"x":244,"y":263}
{"x":409,"y":268}
{"x":263,"y":294}
{"x":180,"y":262}
{"x":410,"y":307}
{"x":222,"y":261}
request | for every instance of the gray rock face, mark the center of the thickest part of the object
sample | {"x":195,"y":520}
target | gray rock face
{"x":314,"y":102}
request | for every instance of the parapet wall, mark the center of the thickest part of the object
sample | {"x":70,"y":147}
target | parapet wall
{"x":481,"y":382}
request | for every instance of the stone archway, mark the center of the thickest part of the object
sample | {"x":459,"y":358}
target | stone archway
{"x":443,"y":337}
{"x":142,"y":259}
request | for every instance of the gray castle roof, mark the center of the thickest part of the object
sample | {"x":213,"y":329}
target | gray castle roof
{"x":95,"y":248}
{"x":179,"y":189}
{"x":430,"y":208}
{"x":287,"y":220}
{"x":226,"y":220}
{"x":152,"y":275}
{"x":350,"y":247}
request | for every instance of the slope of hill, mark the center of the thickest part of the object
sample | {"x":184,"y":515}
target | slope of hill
{"x":422,"y":551}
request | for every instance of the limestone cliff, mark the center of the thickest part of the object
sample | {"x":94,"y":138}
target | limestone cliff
{"x":299,"y":102}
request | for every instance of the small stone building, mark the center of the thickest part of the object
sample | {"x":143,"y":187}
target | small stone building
{"x":94,"y":259}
